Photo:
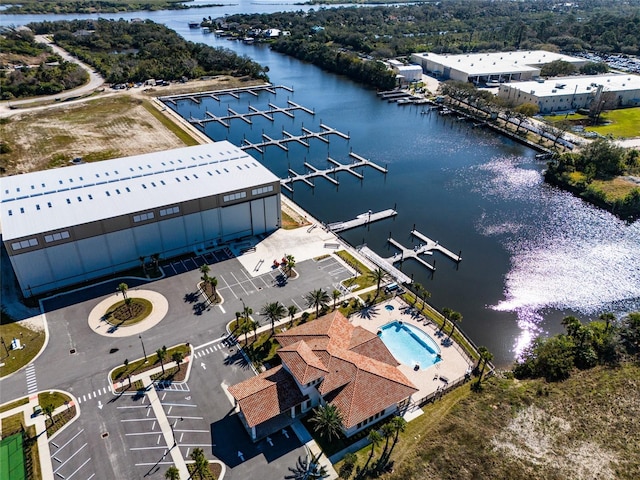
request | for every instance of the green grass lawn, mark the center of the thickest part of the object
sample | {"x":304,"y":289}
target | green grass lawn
{"x":620,"y":123}
{"x":120,"y":374}
{"x":32,"y":341}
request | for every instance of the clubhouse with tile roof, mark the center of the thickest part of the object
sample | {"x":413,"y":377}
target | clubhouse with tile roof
{"x":327,"y":361}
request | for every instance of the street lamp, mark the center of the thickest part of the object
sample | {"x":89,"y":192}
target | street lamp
{"x":143,"y":350}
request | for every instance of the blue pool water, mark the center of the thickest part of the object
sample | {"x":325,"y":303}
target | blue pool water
{"x":410,"y":345}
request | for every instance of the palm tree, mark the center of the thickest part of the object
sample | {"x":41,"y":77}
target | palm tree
{"x":446,"y":313}
{"x":377,"y":276}
{"x":375,"y":438}
{"x":327,"y":421}
{"x":485,"y":357}
{"x":308,"y":469}
{"x":289,"y":264}
{"x":317,"y":298}
{"x":213,"y":281}
{"x":127,"y":302}
{"x":399,"y":424}
{"x":418,"y":288}
{"x":177,"y":357}
{"x":162,"y":354}
{"x":274,"y":311}
{"x":456,"y":317}
{"x":425,"y":294}
{"x":156,"y":258}
{"x":200,"y":461}
{"x":292,"y":310}
{"x":245,"y":327}
{"x":254,"y":326}
{"x":205,"y":269}
{"x":123,"y":287}
{"x":388,"y":430}
{"x":335,"y":295}
{"x":172,"y":473}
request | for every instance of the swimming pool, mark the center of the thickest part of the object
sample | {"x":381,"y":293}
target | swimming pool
{"x":410,"y":345}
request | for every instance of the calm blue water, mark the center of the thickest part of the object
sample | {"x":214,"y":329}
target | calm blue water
{"x":532,"y":254}
{"x":410,"y":345}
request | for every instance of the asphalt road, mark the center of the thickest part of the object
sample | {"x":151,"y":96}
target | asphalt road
{"x":78,"y":360}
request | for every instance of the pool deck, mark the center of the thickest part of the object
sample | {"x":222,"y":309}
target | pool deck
{"x":453,"y":364}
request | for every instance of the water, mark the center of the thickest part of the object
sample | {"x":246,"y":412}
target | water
{"x":410,"y":345}
{"x":531,"y":253}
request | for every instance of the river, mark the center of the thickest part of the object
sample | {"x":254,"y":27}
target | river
{"x":531,"y":253}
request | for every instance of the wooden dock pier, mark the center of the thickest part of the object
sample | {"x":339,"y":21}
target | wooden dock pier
{"x":253,"y":112}
{"x":362,"y":219}
{"x":325,"y":173}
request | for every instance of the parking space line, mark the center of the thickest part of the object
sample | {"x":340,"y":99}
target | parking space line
{"x":249,"y":279}
{"x":134,"y":406}
{"x":238,"y":282}
{"x":148,"y":448}
{"x":187,"y":454}
{"x":138,"y":420}
{"x":74,"y":454}
{"x":195,"y":431}
{"x":152,"y":463}
{"x":186,"y":418}
{"x":178,"y":405}
{"x":140,"y":433}
{"x":158,"y":441}
{"x":153,"y":425}
{"x":92,"y":475}
{"x":77,"y":469}
{"x":148,"y":411}
{"x":170,"y":409}
{"x":71,"y":440}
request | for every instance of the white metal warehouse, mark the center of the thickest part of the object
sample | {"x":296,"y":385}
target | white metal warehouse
{"x":68,"y":225}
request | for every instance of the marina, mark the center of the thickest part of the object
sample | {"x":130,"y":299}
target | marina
{"x":324,"y":173}
{"x":216,"y":94}
{"x":288,"y":137}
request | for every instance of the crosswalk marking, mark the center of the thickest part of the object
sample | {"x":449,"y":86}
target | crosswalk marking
{"x":32,"y":384}
{"x":95,"y":393}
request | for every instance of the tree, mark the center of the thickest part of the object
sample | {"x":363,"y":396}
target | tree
{"x":213,"y":281}
{"x":245,"y":327}
{"x":528,"y":109}
{"x":335,"y":295}
{"x":292,"y":310}
{"x":399,"y":424}
{"x":127,"y":302}
{"x":485,"y":357}
{"x":348,"y":462}
{"x":172,"y":473}
{"x":290,"y":264}
{"x":308,"y":469}
{"x":200,"y":462}
{"x":375,"y":438}
{"x":162,"y":354}
{"x":48,"y":411}
{"x":274,"y":311}
{"x":455,"y":317}
{"x":446,"y":313}
{"x":327,"y":421}
{"x":123,"y":287}
{"x":177,"y":357}
{"x":317,"y":298}
{"x":377,"y":276}
{"x":388,"y":431}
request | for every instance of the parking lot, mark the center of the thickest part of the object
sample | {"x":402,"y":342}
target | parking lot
{"x":70,"y":457}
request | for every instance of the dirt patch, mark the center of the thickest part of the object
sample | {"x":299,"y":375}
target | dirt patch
{"x":540,"y":438}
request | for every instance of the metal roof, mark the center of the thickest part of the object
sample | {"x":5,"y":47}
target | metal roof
{"x":48,"y":200}
{"x":559,"y":86}
{"x":480,"y":64}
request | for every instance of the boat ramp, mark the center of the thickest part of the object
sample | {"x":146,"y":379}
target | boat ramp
{"x":325,"y":173}
{"x":362,"y":219}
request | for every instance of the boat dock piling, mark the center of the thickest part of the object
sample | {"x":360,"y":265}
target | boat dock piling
{"x":362,"y":219}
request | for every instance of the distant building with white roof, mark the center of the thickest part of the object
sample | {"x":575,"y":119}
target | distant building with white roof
{"x":68,"y":225}
{"x":572,"y":93}
{"x":490,"y":67}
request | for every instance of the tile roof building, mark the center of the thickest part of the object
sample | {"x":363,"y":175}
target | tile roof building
{"x":325,"y":361}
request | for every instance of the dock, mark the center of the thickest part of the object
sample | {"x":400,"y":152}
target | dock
{"x":216,"y":94}
{"x":288,"y":137}
{"x":325,"y":173}
{"x":362,"y":219}
{"x":253,"y":112}
{"x":397,"y":275}
{"x":426,"y":248}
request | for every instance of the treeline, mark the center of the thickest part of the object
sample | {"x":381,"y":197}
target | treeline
{"x":93,"y":6}
{"x":33,"y":69}
{"x":460,"y":26}
{"x":125,"y":51}
{"x":372,"y":72}
{"x":599,"y":160}
{"x":605,"y":341}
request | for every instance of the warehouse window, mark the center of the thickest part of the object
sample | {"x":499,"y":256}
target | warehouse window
{"x":258,"y":191}
{"x":169,"y":211}
{"x":142,"y":217}
{"x":56,"y":236}
{"x":235,"y":196}
{"x":32,"y":242}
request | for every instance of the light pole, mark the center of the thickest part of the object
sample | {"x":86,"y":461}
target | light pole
{"x":143,"y":350}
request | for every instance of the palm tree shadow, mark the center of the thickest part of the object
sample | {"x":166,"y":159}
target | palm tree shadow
{"x":236,"y":359}
{"x":368,"y":312}
{"x":191,"y":297}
